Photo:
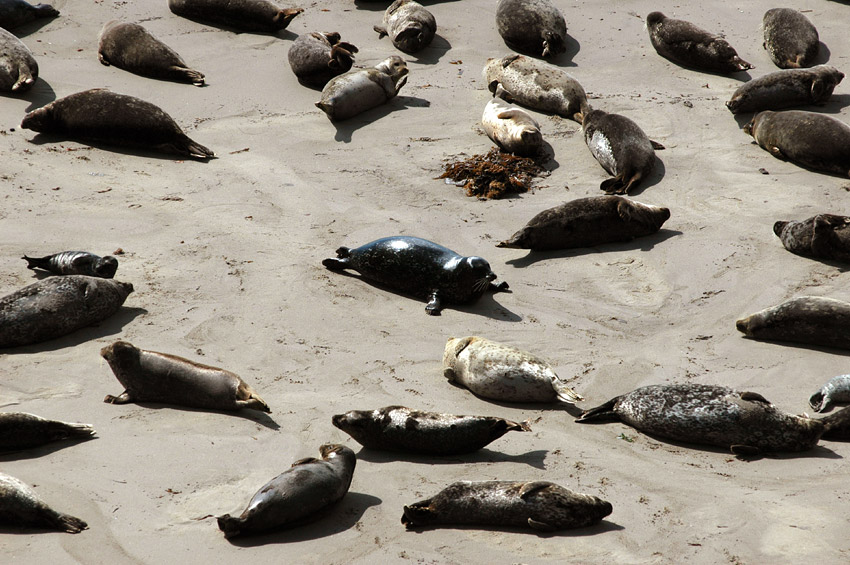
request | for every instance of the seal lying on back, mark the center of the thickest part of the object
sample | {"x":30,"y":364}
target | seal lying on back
{"x":511,"y":128}
{"x":535,"y":27}
{"x":21,"y":506}
{"x":744,"y":422}
{"x":19,"y":430}
{"x":15,"y":13}
{"x":316,"y":58}
{"x":783,"y":89}
{"x":355,"y":92}
{"x":148,"y":376}
{"x":75,"y":263}
{"x":396,"y":428}
{"x":825,"y":236}
{"x":242,"y":15}
{"x":539,"y":505}
{"x":836,"y":390}
{"x":297,"y":495}
{"x":410,"y":26}
{"x":808,"y":319}
{"x":18,"y":68}
{"x":790,"y":38}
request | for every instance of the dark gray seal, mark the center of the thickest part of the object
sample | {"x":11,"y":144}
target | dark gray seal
{"x":790,"y":38}
{"x":243,"y":15}
{"x":588,"y":222}
{"x":744,"y":422}
{"x":57,"y":306}
{"x":813,"y":320}
{"x":356,"y":91}
{"x":396,"y":428}
{"x":409,"y":25}
{"x":421,"y":268}
{"x":836,"y":390}
{"x":539,"y":505}
{"x":149,"y":376}
{"x":117,"y":119}
{"x":296,"y":496}
{"x":18,"y":68}
{"x":535,"y":27}
{"x":75,"y":263}
{"x":21,"y":506}
{"x":132,"y":48}
{"x":15,"y":13}
{"x":784,"y":89}
{"x":825,"y":236}
{"x":685,"y":44}
{"x":19,"y":430}
{"x":316,"y":58}
{"x":837,"y":426}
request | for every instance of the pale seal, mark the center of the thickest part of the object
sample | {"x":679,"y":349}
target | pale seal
{"x":535,"y":27}
{"x":825,"y":236}
{"x":19,"y":430}
{"x":784,"y":89}
{"x":18,"y":68}
{"x":836,"y":390}
{"x":243,"y":15}
{"x":296,"y":496}
{"x":356,"y":91}
{"x":790,"y":38}
{"x":316,"y":58}
{"x":512,"y":129}
{"x":684,"y":43}
{"x":15,"y":13}
{"x":409,"y":25}
{"x":75,"y":263}
{"x":539,"y":505}
{"x":149,"y":376}
{"x":813,"y":320}
{"x":21,"y":506}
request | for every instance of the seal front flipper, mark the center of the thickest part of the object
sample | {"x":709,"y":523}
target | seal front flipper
{"x":123,"y":398}
{"x":530,"y":488}
{"x":305,"y":461}
{"x":754,"y":397}
{"x":777,"y":152}
{"x":657,"y":146}
{"x":540,"y":526}
{"x":434,"y":305}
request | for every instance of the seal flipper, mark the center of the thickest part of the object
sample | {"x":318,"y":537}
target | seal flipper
{"x":613,"y":185}
{"x":416,"y":514}
{"x":67,"y":523}
{"x":540,"y":526}
{"x":434,"y":305}
{"x":123,"y":398}
{"x":188,"y":147}
{"x":530,"y":488}
{"x":754,"y":397}
{"x":657,"y":146}
{"x":382,"y":31}
{"x":306,"y":461}
{"x":229,"y":525}
{"x":819,"y":402}
{"x":37,"y":262}
{"x":603,"y":412}
{"x":340,"y":262}
{"x":565,"y":393}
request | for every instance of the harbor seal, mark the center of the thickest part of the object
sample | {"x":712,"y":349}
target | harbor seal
{"x":409,"y":25}
{"x":837,"y":426}
{"x":18,"y":68}
{"x":420,"y":268}
{"x":316,"y":58}
{"x":825,"y":236}
{"x":539,"y":505}
{"x":836,"y":390}
{"x":588,"y":222}
{"x":356,"y":91}
{"x":21,"y":506}
{"x":396,"y":428}
{"x":685,"y":44}
{"x":535,"y":27}
{"x":816,"y":141}
{"x":15,"y":13}
{"x":132,"y":48}
{"x":784,"y":89}
{"x":744,"y":422}
{"x":501,"y":372}
{"x":243,"y":15}
{"x":790,"y":38}
{"x":57,"y":306}
{"x":296,"y":496}
{"x":815,"y":320}
{"x":512,"y":129}
{"x":19,"y":430}
{"x":149,"y":376}
{"x":117,"y":119}
{"x":75,"y":263}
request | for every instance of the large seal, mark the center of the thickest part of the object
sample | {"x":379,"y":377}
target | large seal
{"x":75,"y":263}
{"x":18,"y":68}
{"x":836,"y":390}
{"x":744,"y":422}
{"x":784,"y":89}
{"x":243,"y":15}
{"x":316,"y":58}
{"x":421,"y":268}
{"x":297,"y":495}
{"x":587,"y":222}
{"x":501,"y":372}
{"x":825,"y":236}
{"x":132,"y":48}
{"x":535,"y":27}
{"x":21,"y":506}
{"x":790,"y":38}
{"x":15,"y":13}
{"x":410,"y":26}
{"x":539,"y":505}
{"x":807,"y":319}
{"x":116,"y":119}
{"x":149,"y":376}
{"x":19,"y":430}
{"x":684,"y":43}
{"x":396,"y":428}
{"x":511,"y":128}
{"x":356,"y":91}
{"x":57,"y":306}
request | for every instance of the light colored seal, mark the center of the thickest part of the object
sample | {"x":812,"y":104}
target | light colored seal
{"x":21,"y":506}
{"x":535,"y":27}
{"x":75,"y":263}
{"x":243,"y":15}
{"x":825,"y":236}
{"x":501,"y":372}
{"x":149,"y":376}
{"x":511,"y":128}
{"x":15,"y":13}
{"x":790,"y":38}
{"x":296,"y":496}
{"x":316,"y":58}
{"x":355,"y":92}
{"x":784,"y":89}
{"x":539,"y":505}
{"x":836,"y":390}
{"x":18,"y":68}
{"x":19,"y":430}
{"x":815,"y":320}
{"x":684,"y":43}
{"x":409,"y":25}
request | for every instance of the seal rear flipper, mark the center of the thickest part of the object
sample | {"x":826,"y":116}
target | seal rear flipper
{"x":185,"y":74}
{"x":190,"y":148}
{"x":68,"y":523}
{"x":37,"y":262}
{"x":837,"y":426}
{"x":657,"y":146}
{"x":382,"y":31}
{"x":603,"y":412}
{"x":283,"y":17}
{"x":123,"y":398}
{"x":434,"y":305}
{"x":818,"y":401}
{"x":340,"y":262}
{"x":540,"y":526}
{"x":565,"y":393}
{"x":613,"y":185}
{"x":254,"y":402}
{"x":417,"y":514}
{"x":25,"y":80}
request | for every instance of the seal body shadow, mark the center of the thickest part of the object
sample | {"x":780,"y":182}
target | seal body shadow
{"x":790,"y":38}
{"x":813,"y":320}
{"x":18,"y":68}
{"x":21,"y":506}
{"x":244,"y":15}
{"x":784,"y":89}
{"x":535,"y":27}
{"x":19,"y":430}
{"x":316,"y":58}
{"x":354,"y":92}
{"x":825,"y":236}
{"x":410,"y":26}
{"x":686,"y":44}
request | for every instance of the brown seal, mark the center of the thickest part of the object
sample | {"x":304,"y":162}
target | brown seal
{"x":21,"y":506}
{"x":15,"y":13}
{"x":18,"y":68}
{"x":354,"y":92}
{"x":316,"y":58}
{"x":790,"y":38}
{"x":19,"y":430}
{"x":684,"y":43}
{"x":825,"y":236}
{"x":410,"y":26}
{"x":784,"y":89}
{"x":536,"y":27}
{"x":243,"y":15}
{"x":814,"y":320}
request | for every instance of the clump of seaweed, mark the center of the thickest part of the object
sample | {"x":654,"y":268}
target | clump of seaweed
{"x":493,"y":175}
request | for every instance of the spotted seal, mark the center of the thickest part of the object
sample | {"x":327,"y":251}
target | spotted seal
{"x":18,"y":68}
{"x":19,"y":430}
{"x":15,"y":13}
{"x":784,"y":89}
{"x":815,"y":320}
{"x":409,"y":25}
{"x":825,"y":236}
{"x":243,"y":15}
{"x":685,"y":44}
{"x":21,"y":506}
{"x":511,"y":128}
{"x":790,"y":38}
{"x":356,"y":91}
{"x":535,"y":27}
{"x":836,"y":390}
{"x":75,"y":263}
{"x":316,"y":58}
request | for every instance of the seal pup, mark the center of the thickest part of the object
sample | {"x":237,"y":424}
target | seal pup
{"x":15,"y":13}
{"x":409,"y":25}
{"x":75,"y":263}
{"x":131,"y":47}
{"x":501,"y":372}
{"x":19,"y":430}
{"x":57,"y":306}
{"x":421,"y":268}
{"x":21,"y":506}
{"x":296,"y":496}
{"x":813,"y":140}
{"x":825,"y":236}
{"x":814,"y":320}
{"x":396,"y":428}
{"x":356,"y":91}
{"x":744,"y":422}
{"x":512,"y":129}
{"x":684,"y":43}
{"x":316,"y":58}
{"x":535,"y":27}
{"x":836,"y":390}
{"x":243,"y":15}
{"x":539,"y":505}
{"x":116,"y":119}
{"x":149,"y":376}
{"x":783,"y":89}
{"x":790,"y":38}
{"x":18,"y":68}
{"x":588,"y":222}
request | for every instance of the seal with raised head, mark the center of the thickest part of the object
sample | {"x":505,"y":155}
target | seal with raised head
{"x":685,"y":44}
{"x":356,"y":91}
{"x":117,"y":119}
{"x":243,"y":15}
{"x":21,"y":506}
{"x":19,"y":430}
{"x":75,"y":263}
{"x":539,"y":505}
{"x":825,"y":236}
{"x":15,"y":13}
{"x":511,"y":128}
{"x":316,"y":58}
{"x":396,"y":428}
{"x":790,"y":38}
{"x":836,"y":390}
{"x":421,"y":268}
{"x":784,"y":89}
{"x":18,"y":68}
{"x":814,"y":320}
{"x":535,"y":27}
{"x":744,"y":422}
{"x":409,"y":25}
{"x":149,"y":376}
{"x":296,"y":496}
{"x":131,"y":47}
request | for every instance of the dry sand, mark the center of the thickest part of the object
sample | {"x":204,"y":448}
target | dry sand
{"x":226,"y":258}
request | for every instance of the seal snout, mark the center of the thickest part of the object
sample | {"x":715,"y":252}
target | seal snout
{"x":743,"y":326}
{"x":778,"y":227}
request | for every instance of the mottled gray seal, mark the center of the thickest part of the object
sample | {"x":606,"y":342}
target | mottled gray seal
{"x":409,"y":25}
{"x":297,"y":495}
{"x":783,"y":89}
{"x":356,"y":91}
{"x":421,"y":268}
{"x":396,"y":428}
{"x":836,"y":390}
{"x":744,"y":422}
{"x":18,"y":68}
{"x":57,"y":306}
{"x":807,"y":319}
{"x":75,"y":263}
{"x":684,"y":43}
{"x":587,"y":222}
{"x":316,"y":58}
{"x":511,"y":128}
{"x":825,"y":236}
{"x":149,"y":376}
{"x":116,"y":119}
{"x":19,"y":430}
{"x":539,"y":505}
{"x":535,"y":27}
{"x":790,"y":38}
{"x":243,"y":15}
{"x":21,"y":506}
{"x":837,"y":426}
{"x":15,"y":13}
{"x":132,"y":48}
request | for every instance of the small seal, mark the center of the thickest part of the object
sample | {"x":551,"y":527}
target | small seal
{"x":588,"y":222}
{"x":19,"y":430}
{"x":685,"y":44}
{"x":297,"y":495}
{"x":75,"y":263}
{"x":744,"y":422}
{"x":15,"y":13}
{"x":535,"y":27}
{"x":356,"y":91}
{"x":784,"y":89}
{"x":825,"y":236}
{"x":511,"y":128}
{"x":539,"y":505}
{"x":410,"y":26}
{"x":243,"y":15}
{"x":149,"y":376}
{"x":117,"y":119}
{"x":421,"y":268}
{"x":807,"y":319}
{"x":396,"y":428}
{"x":21,"y":506}
{"x":18,"y":68}
{"x":790,"y":38}
{"x":836,"y":390}
{"x":316,"y":58}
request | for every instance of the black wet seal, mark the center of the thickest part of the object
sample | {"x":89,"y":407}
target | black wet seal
{"x":535,"y":458}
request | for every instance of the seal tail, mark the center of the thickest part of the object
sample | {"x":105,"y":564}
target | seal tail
{"x":565,"y":393}
{"x":603,"y":412}
{"x":188,"y":75}
{"x":72,"y":429}
{"x":283,"y":17}
{"x":68,"y":523}
{"x":340,"y":262}
{"x":37,"y":262}
{"x":190,"y":148}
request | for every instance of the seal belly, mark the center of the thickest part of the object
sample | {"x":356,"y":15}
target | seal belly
{"x":600,"y":148}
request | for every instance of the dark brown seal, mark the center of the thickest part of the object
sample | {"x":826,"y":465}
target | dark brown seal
{"x":15,"y":13}
{"x":784,"y":89}
{"x":790,"y":38}
{"x":19,"y":430}
{"x":825,"y":236}
{"x":316,"y":58}
{"x":18,"y":68}
{"x":409,"y":25}
{"x":75,"y":263}
{"x":535,"y":27}
{"x":807,"y":319}
{"x":684,"y":43}
{"x":243,"y":15}
{"x":21,"y":506}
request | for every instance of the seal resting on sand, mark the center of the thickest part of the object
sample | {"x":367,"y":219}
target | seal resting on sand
{"x":18,"y":68}
{"x":814,"y":320}
{"x":354,"y":92}
{"x":825,"y":236}
{"x":316,"y":58}
{"x":535,"y":27}
{"x":684,"y":43}
{"x":75,"y":263}
{"x":790,"y":38}
{"x":410,"y":26}
{"x":783,"y":89}
{"x":21,"y":506}
{"x":243,"y":15}
{"x":19,"y":430}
